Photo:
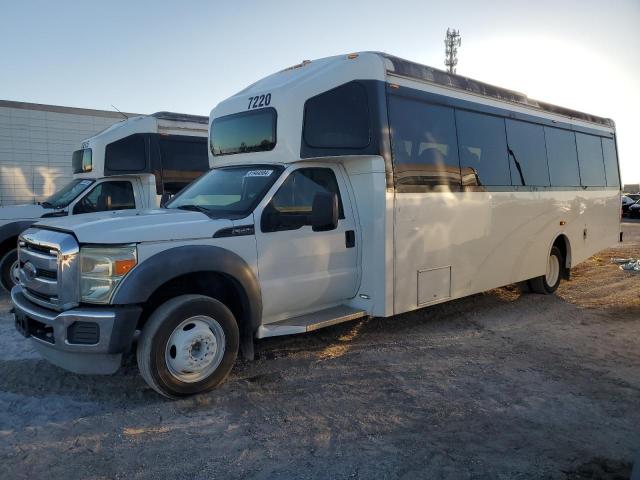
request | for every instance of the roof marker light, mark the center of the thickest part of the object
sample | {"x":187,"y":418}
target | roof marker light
{"x":394,"y":85}
{"x":351,"y":56}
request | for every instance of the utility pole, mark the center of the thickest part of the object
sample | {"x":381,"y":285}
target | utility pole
{"x":451,"y":43}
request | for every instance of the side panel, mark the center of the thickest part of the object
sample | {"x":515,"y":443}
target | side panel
{"x":491,"y":239}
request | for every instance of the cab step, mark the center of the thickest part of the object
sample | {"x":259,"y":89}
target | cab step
{"x":311,"y":321}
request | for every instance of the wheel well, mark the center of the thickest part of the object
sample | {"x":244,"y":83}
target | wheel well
{"x":212,"y":284}
{"x":8,"y":244}
{"x":562,"y":242}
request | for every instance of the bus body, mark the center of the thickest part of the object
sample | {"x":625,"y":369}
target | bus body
{"x":129,"y":165}
{"x":346,"y":187}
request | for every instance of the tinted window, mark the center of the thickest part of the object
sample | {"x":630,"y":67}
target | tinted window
{"x":528,"y":154}
{"x":338,"y":118}
{"x":183,"y":160}
{"x":291,"y":206}
{"x":107,"y":196}
{"x":127,"y":154}
{"x":423,"y":140}
{"x":81,"y":161}
{"x":244,"y":132}
{"x":563,"y":157}
{"x":590,"y":159}
{"x":483,"y":149}
{"x":610,"y":162}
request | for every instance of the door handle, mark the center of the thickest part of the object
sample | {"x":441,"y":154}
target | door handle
{"x":350,"y":238}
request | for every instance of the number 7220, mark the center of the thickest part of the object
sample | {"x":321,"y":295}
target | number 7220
{"x":259,"y":101}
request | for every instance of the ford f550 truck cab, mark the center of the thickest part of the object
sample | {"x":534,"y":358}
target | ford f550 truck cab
{"x":342,"y":188}
{"x":130,"y":165}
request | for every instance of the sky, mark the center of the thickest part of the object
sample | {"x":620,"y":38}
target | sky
{"x":148,"y":56}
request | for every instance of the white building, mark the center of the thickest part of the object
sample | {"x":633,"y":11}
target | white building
{"x":36,"y":143}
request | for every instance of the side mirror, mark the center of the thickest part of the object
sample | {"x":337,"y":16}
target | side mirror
{"x":324,"y":212}
{"x":164,"y":199}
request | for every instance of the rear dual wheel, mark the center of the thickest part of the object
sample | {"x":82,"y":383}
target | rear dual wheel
{"x":548,"y":283}
{"x":188,"y":346}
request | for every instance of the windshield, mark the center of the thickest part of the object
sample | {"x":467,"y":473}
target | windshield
{"x":229,"y":191}
{"x":67,"y":194}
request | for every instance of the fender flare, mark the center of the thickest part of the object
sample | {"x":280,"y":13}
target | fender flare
{"x":14,"y":229}
{"x":149,"y":275}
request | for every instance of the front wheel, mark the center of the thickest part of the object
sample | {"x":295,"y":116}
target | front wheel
{"x":548,"y":283}
{"x":188,"y":346}
{"x":9,"y":269}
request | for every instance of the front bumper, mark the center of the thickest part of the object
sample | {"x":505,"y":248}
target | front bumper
{"x":82,"y":340}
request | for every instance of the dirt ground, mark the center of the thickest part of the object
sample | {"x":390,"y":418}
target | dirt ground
{"x":498,"y":385}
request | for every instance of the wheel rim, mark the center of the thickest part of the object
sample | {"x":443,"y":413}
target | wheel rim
{"x":195,"y":349}
{"x":553,"y":270}
{"x":15,"y":272}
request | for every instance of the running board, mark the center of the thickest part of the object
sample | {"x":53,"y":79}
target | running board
{"x":310,"y":321}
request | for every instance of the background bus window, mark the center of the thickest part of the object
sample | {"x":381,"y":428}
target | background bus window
{"x":590,"y":159}
{"x":183,"y":160}
{"x":338,"y":118}
{"x":528,"y":154}
{"x":425,"y":149}
{"x":483,"y":149}
{"x":563,"y":157}
{"x":127,"y":154}
{"x":610,"y":162}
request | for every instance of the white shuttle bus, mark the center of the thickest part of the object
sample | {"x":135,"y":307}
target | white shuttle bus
{"x":130,"y":165}
{"x":346,"y":187}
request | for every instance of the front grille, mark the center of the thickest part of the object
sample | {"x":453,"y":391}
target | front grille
{"x":48,"y":268}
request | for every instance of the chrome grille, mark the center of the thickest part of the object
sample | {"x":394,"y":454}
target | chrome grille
{"x":49,"y":268}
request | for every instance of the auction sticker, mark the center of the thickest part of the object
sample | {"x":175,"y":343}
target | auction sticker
{"x":259,"y":173}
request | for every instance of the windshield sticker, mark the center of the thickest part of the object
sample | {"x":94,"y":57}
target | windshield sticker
{"x":84,"y":183}
{"x":259,"y":173}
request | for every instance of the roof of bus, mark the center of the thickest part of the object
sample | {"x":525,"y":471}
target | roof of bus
{"x":406,"y":68}
{"x":341,"y":67}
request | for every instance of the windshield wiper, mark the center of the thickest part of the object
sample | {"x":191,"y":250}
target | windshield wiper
{"x":194,"y":208}
{"x":46,"y":204}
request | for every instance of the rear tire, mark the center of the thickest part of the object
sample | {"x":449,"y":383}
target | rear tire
{"x":548,"y":283}
{"x":188,"y":346}
{"x":8,"y":270}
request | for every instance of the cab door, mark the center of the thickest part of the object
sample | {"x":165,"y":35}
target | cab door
{"x":302,"y":270}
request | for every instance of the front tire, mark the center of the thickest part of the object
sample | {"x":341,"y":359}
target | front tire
{"x":9,"y":270}
{"x":188,"y":346}
{"x":548,"y":283}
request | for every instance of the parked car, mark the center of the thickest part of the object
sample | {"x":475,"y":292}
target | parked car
{"x":627,"y":201}
{"x":634,"y":210}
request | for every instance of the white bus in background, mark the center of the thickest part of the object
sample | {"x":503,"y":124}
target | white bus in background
{"x":129,"y":165}
{"x":345,"y":187}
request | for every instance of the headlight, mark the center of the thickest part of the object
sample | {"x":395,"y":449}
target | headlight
{"x":102,"y":269}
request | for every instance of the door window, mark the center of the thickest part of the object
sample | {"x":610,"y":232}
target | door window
{"x":290,"y":208}
{"x":105,"y":196}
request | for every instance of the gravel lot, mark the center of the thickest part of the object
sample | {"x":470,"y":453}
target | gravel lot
{"x":498,"y":385}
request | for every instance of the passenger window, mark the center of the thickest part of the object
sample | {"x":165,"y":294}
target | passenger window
{"x":338,"y":118}
{"x":610,"y":162}
{"x":483,"y":149}
{"x":425,"y":149}
{"x":127,"y":154}
{"x":528,"y":154}
{"x":563,"y":157}
{"x":290,"y":208}
{"x":591,"y":161}
{"x":183,"y":160}
{"x":107,"y":196}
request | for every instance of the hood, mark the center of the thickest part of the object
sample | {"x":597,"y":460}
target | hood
{"x":22,"y":212}
{"x":134,"y":226}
